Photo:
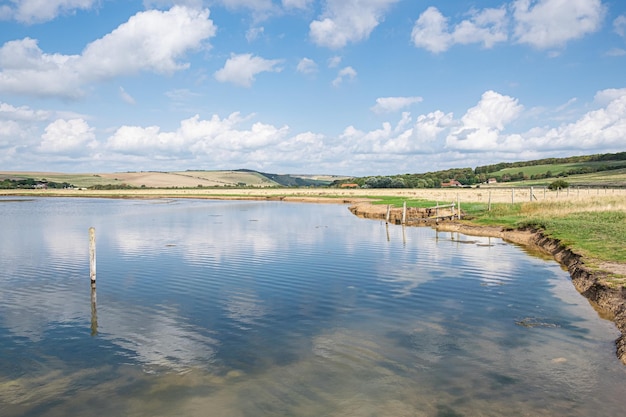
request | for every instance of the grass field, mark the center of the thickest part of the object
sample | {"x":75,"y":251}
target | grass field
{"x":556,"y":169}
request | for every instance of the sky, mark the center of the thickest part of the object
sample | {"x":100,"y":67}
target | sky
{"x":344,"y":87}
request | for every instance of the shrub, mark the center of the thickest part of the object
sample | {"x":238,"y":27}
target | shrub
{"x":558,"y":184}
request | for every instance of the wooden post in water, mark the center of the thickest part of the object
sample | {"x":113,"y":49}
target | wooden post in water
{"x":388,"y":213}
{"x":92,"y":255}
{"x":404,"y":212}
{"x":94,"y":312}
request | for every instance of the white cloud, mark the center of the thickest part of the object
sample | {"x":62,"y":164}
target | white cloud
{"x":296,"y":4}
{"x":149,"y":41}
{"x":19,"y":128}
{"x":347,"y":72}
{"x":253,"y":33}
{"x":68,"y":136}
{"x":547,"y":24}
{"x":431,"y":30}
{"x":242,"y":69}
{"x":393,"y":104}
{"x":619,"y":25}
{"x":307,"y":66}
{"x":406,"y":138}
{"x":604,"y":97}
{"x":126,"y":97}
{"x":196,"y":136}
{"x":22,"y":113}
{"x":348,"y":21}
{"x":481,"y":125}
{"x":36,"y":11}
{"x":334,"y":61}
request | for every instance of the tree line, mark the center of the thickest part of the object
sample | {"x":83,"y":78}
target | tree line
{"x":480,"y":175}
{"x":8,"y":184}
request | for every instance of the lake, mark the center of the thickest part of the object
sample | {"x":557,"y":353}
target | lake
{"x":255,"y":308}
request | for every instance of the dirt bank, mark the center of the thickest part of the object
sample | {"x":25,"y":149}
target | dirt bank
{"x":590,"y":282}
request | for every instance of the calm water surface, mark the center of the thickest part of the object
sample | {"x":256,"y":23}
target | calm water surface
{"x":225,"y":308}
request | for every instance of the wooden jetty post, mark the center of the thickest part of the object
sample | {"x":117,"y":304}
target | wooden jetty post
{"x":92,"y":255}
{"x":388,"y":213}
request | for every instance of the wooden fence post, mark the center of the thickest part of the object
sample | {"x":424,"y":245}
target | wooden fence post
{"x":489,"y":202}
{"x":92,"y":255}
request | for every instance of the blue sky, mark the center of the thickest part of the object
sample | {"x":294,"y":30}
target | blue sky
{"x":350,"y":87}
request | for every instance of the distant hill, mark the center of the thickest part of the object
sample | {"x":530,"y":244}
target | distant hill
{"x":592,"y":170}
{"x":599,"y":169}
{"x":289,"y":180}
{"x":155,"y":179}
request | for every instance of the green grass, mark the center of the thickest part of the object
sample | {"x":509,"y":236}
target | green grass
{"x":596,"y":235}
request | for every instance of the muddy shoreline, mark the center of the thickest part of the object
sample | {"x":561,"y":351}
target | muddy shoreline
{"x":590,"y":283}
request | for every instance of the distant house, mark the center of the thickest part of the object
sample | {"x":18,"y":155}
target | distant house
{"x":492,"y":181}
{"x":452,"y":183}
{"x":349,"y":185}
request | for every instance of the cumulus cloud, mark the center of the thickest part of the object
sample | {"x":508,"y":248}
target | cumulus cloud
{"x":68,"y":137}
{"x":604,"y":97}
{"x":348,"y":21}
{"x":552,"y":23}
{"x":307,"y":66}
{"x":481,"y":125}
{"x":542,"y":24}
{"x":18,"y":127}
{"x":347,"y":72}
{"x":196,"y":136}
{"x":432,"y":32}
{"x":242,"y":69}
{"x":150,"y":41}
{"x":22,"y":113}
{"x":406,"y":138}
{"x":37,"y":11}
{"x":393,"y":104}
